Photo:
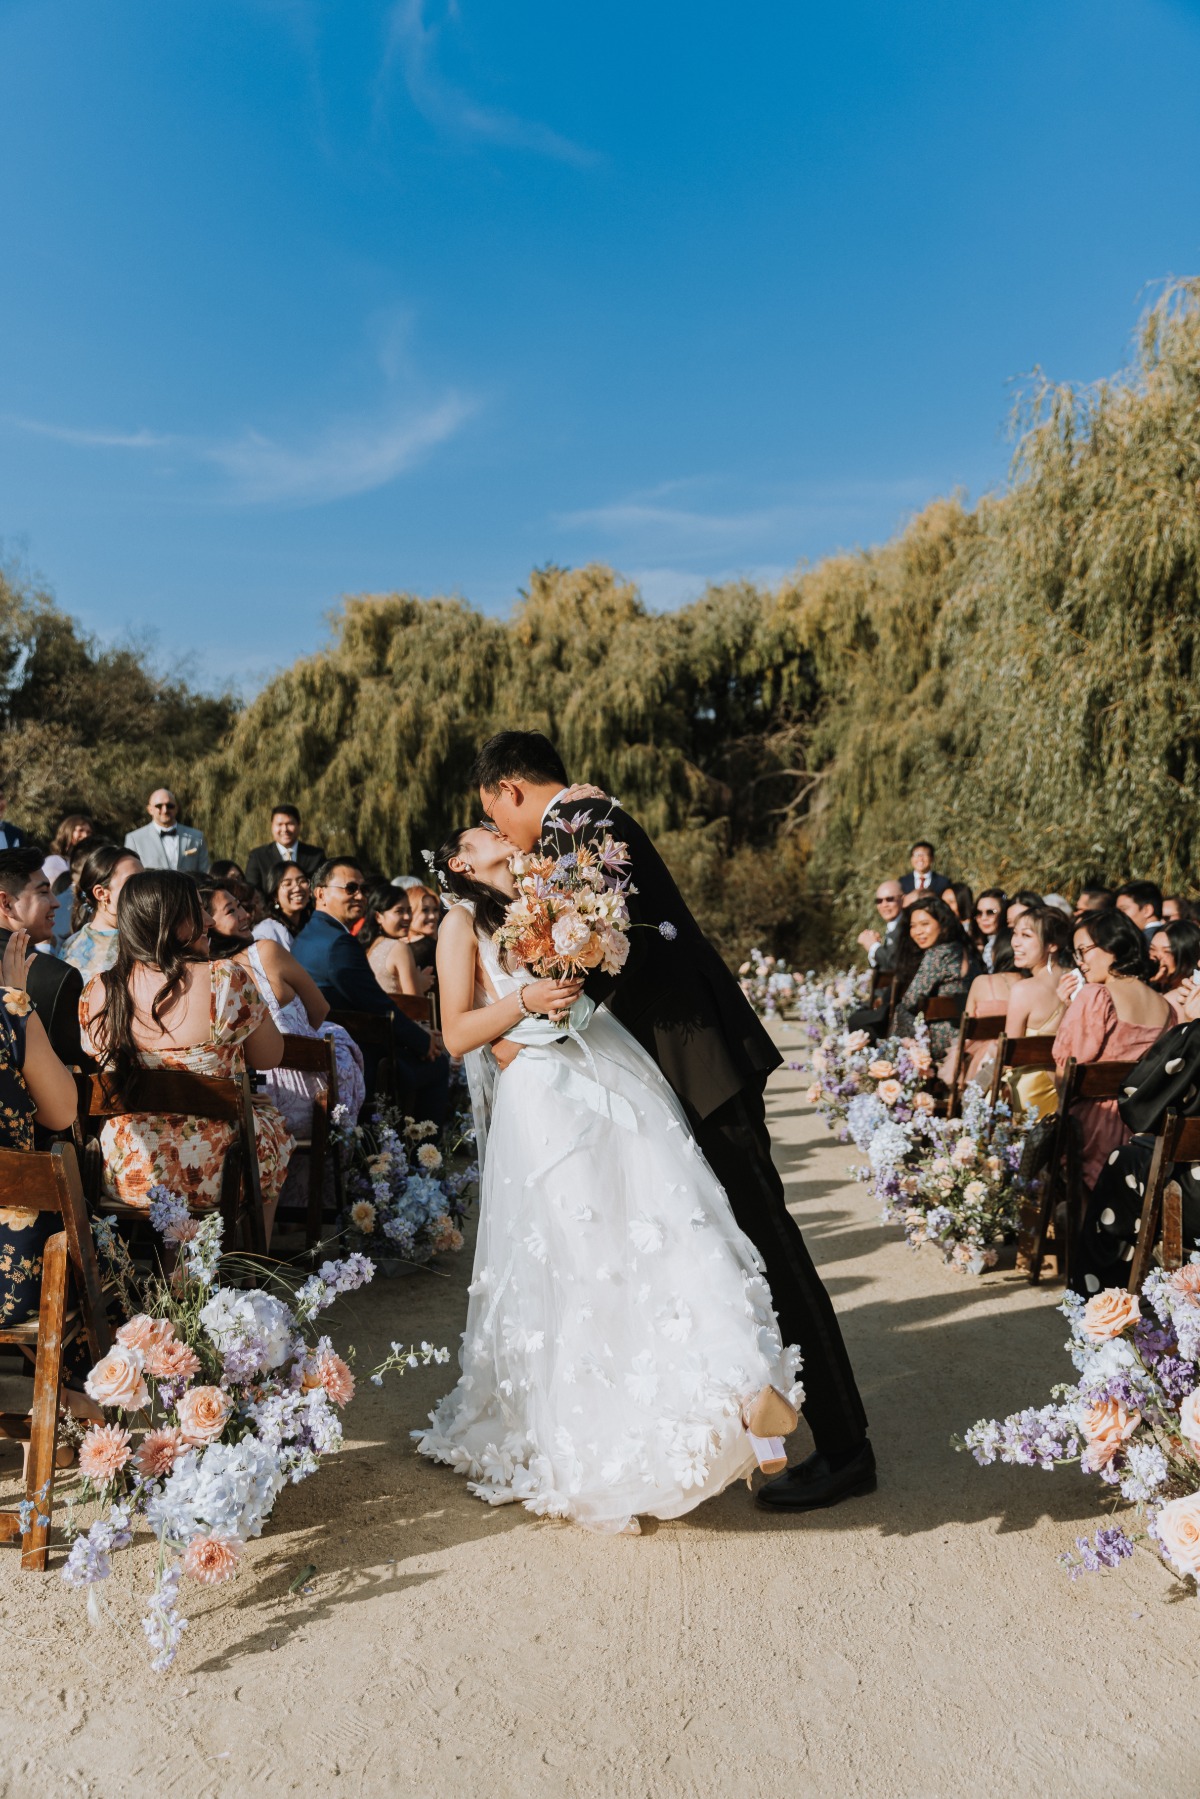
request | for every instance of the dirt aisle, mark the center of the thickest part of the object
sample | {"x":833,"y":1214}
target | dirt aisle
{"x":920,"y":1642}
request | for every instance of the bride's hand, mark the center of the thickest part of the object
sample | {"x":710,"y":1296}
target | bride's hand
{"x":551,"y":996}
{"x":582,"y":790}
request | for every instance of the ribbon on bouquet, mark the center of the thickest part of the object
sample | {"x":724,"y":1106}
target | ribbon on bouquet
{"x":539,"y":1035}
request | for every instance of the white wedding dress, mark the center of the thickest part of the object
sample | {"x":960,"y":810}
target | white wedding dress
{"x":618,"y":1321}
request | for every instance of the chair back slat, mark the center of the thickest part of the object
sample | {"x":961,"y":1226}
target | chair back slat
{"x":1029,"y":1052}
{"x":944,"y":1008}
{"x":176,"y":1092}
{"x":370,"y":1030}
{"x":416,"y":1006}
{"x":307,"y":1055}
{"x":1100,"y":1080}
{"x":1183,"y":1140}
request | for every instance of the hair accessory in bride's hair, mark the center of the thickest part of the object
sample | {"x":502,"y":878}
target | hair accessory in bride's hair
{"x":444,"y":894}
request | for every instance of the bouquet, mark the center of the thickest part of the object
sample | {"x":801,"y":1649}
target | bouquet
{"x":230,"y":1394}
{"x":1132,"y":1417}
{"x":402,"y":1202}
{"x":571,"y":913}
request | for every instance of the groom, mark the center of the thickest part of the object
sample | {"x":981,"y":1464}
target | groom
{"x":676,"y":996}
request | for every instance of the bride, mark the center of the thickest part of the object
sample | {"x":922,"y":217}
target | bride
{"x":619,"y":1329}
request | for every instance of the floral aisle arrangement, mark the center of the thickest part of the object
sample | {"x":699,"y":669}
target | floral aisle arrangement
{"x":957,"y":1185}
{"x":221,"y":1396}
{"x":404,"y":1202}
{"x":863,"y":1088}
{"x":770,"y":985}
{"x":1132,"y":1418}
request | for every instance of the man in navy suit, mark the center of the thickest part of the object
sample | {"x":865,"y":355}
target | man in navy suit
{"x":922,"y":878}
{"x":12,"y":837}
{"x":338,"y":964}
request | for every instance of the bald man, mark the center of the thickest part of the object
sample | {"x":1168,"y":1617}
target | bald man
{"x":164,"y":842}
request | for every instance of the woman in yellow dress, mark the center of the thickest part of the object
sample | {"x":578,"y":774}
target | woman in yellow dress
{"x":1041,"y":950}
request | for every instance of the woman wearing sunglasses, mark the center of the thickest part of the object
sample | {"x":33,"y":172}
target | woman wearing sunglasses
{"x":987,"y":922}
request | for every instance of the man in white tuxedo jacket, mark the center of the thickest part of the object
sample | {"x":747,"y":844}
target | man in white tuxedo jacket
{"x":164,"y":842}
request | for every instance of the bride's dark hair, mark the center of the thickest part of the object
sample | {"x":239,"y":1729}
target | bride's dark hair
{"x":489,"y":903}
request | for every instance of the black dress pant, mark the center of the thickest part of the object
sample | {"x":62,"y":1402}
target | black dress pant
{"x":737,"y":1146}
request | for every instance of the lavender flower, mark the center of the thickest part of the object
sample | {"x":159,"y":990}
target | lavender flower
{"x":1110,"y":1547}
{"x":162,"y":1624}
{"x":667,"y":930}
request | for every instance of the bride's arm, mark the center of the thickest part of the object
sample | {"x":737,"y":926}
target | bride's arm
{"x":466,"y":1026}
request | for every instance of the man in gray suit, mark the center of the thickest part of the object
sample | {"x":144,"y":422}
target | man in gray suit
{"x":164,"y":842}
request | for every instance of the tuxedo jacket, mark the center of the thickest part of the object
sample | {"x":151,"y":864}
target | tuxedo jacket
{"x":937,"y":883}
{"x":261,"y":861}
{"x":677,"y":997}
{"x":888,"y":948}
{"x":147,"y":844}
{"x":338,"y":964}
{"x":54,"y":993}
{"x":12,"y":837}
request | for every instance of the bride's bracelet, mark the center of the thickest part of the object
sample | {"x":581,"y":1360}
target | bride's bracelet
{"x":526,"y":1011}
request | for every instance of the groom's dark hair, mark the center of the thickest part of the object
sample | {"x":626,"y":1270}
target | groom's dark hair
{"x":517,"y":756}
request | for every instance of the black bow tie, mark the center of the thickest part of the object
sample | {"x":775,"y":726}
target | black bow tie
{"x":170,"y":831}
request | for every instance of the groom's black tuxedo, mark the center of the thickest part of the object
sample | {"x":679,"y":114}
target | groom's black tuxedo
{"x":680,"y":1001}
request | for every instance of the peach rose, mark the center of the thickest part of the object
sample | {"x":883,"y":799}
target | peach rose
{"x":103,"y":1453}
{"x":1186,"y":1281}
{"x":880,"y":1070}
{"x":1178,"y":1528}
{"x":117,"y":1379}
{"x":1107,"y":1427}
{"x":159,"y":1450}
{"x":889,"y":1092}
{"x":855,"y":1041}
{"x":1189,"y":1418}
{"x":203,"y":1414}
{"x":212,"y":1559}
{"x":141,"y":1332}
{"x":924,"y":1102}
{"x":1109,"y":1313}
{"x":173,"y":1361}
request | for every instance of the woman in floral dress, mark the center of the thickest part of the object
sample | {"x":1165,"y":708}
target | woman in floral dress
{"x":164,"y":1005}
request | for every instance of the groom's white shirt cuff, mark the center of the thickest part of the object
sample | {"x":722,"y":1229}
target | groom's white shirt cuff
{"x":561,"y":794}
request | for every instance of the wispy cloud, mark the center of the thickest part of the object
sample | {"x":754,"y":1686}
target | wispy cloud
{"x":643,"y":517}
{"x":412,"y":42}
{"x":349,"y":456}
{"x":94,"y":440}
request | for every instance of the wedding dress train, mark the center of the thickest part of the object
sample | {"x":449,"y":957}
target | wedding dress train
{"x":618,"y":1322}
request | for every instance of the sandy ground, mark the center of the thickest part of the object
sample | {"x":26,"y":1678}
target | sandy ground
{"x":919,"y":1642}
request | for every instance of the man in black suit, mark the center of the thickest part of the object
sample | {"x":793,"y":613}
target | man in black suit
{"x":921,"y":877}
{"x":27,"y":904}
{"x":1142,"y":901}
{"x":12,"y":837}
{"x":677,"y":997}
{"x":882,"y":950}
{"x":285,"y":846}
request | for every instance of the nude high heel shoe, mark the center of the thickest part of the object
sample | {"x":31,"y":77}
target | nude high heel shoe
{"x":767,"y":1420}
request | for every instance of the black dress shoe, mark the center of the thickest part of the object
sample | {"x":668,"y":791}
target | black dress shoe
{"x":813,"y":1483}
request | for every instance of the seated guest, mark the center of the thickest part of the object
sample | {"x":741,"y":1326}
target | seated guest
{"x":1114,"y":1016}
{"x":1094,"y":899}
{"x":1042,"y":953}
{"x":947,"y":967}
{"x":1143,"y":902}
{"x":986,"y":920}
{"x":384,"y":936}
{"x":338,"y":964}
{"x":27,"y":904}
{"x":289,"y":906}
{"x":1175,"y":955}
{"x":1059,"y":904}
{"x":426,"y":910}
{"x":297,"y":1005}
{"x":226,"y":869}
{"x":881,"y":950}
{"x":162,"y":1004}
{"x":1026,"y":900}
{"x":92,"y":946}
{"x":921,"y":878}
{"x":285,"y":846}
{"x":164,"y":842}
{"x":988,"y":997}
{"x":961,"y":901}
{"x":1177,"y":910}
{"x":75,"y":828}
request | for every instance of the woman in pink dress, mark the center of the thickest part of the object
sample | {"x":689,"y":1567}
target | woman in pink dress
{"x":1114,"y":1016}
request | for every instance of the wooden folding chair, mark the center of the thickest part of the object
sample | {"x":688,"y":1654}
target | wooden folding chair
{"x":177,"y":1092}
{"x":1079,"y":1081}
{"x":882,"y":992}
{"x":1023,"y":1053}
{"x":944,"y":1008}
{"x":315,"y":1055}
{"x":71,"y":1303}
{"x":970,"y":1031}
{"x":1162,"y":1202}
{"x":372,"y":1031}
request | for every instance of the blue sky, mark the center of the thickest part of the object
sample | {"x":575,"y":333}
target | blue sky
{"x":300,"y":299}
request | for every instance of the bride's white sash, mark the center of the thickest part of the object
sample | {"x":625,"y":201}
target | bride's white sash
{"x":538,"y":1038}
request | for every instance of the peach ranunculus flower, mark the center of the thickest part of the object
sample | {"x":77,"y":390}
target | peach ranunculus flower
{"x":173,"y":1361}
{"x":203,"y":1414}
{"x":1189,"y":1418}
{"x":889,"y":1092}
{"x":1178,"y":1530}
{"x":212,"y":1559}
{"x":1186,"y":1281}
{"x":855,"y":1041}
{"x":1109,"y":1313}
{"x":964,"y":1152}
{"x":1107,"y":1428}
{"x":117,"y":1379}
{"x":814,"y":1093}
{"x":141,"y":1332}
{"x":159,"y":1450}
{"x":103,"y":1453}
{"x":924,"y":1102}
{"x":879,"y":1070}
